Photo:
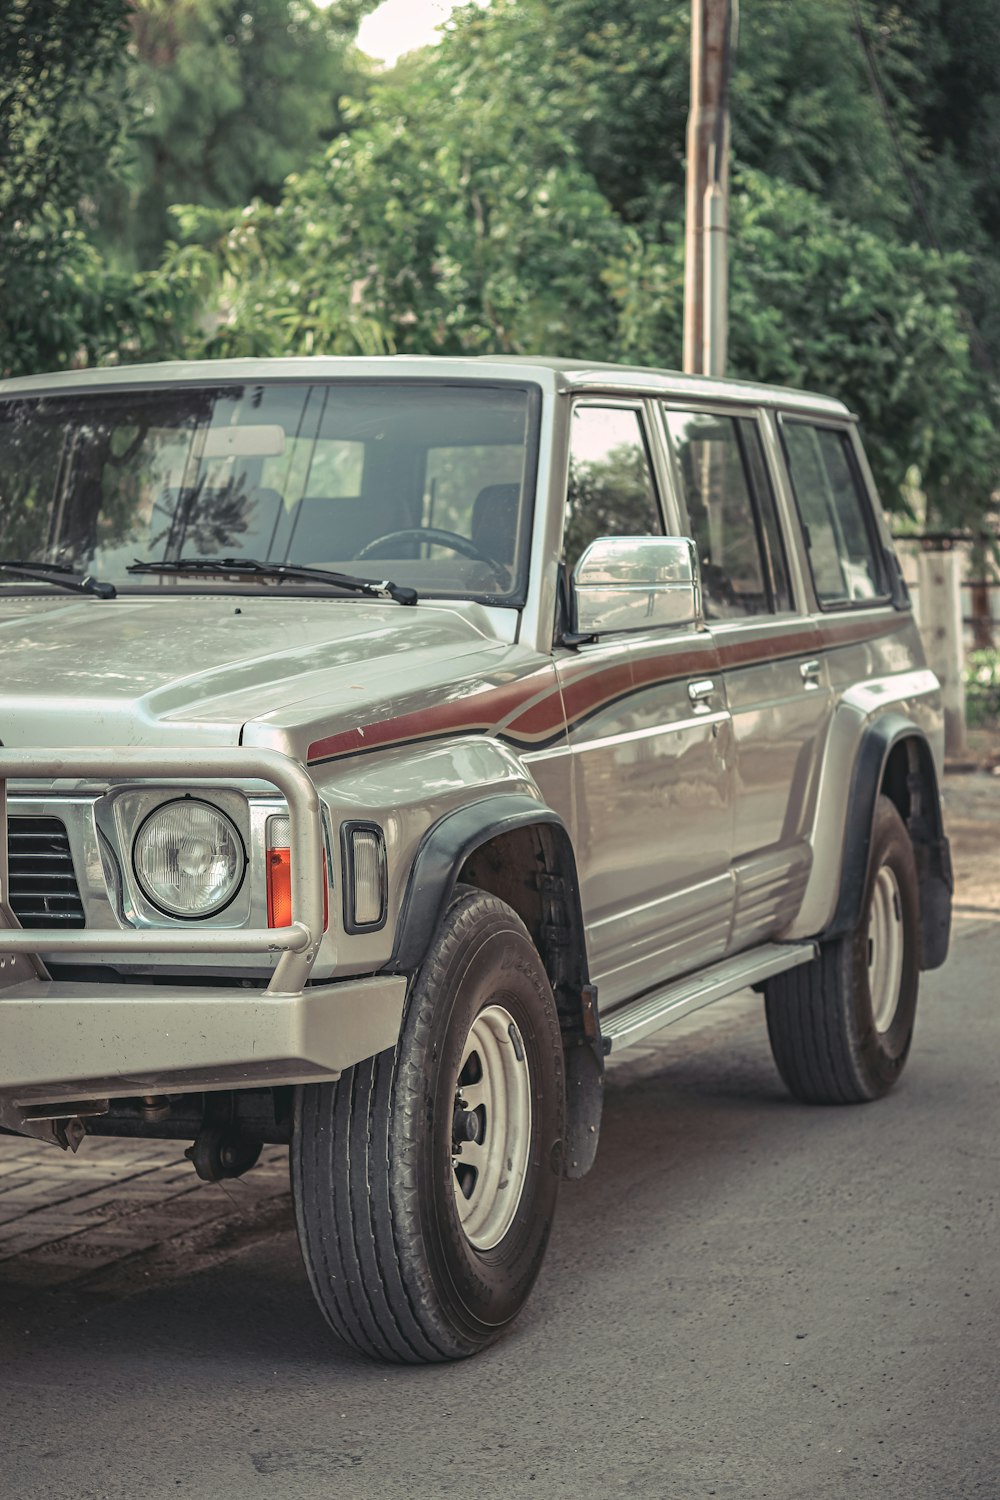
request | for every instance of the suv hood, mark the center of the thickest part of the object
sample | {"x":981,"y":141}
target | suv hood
{"x":189,"y":671}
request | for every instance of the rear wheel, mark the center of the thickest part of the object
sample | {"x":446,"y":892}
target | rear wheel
{"x":841,"y":1027}
{"x":425,"y":1179}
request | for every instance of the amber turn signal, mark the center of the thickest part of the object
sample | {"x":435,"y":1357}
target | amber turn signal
{"x":279,"y":878}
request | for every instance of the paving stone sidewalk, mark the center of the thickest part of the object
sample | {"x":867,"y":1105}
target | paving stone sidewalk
{"x":119,"y":1212}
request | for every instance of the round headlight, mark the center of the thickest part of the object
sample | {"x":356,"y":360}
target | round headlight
{"x":189,"y":858}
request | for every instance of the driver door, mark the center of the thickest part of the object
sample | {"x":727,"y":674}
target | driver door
{"x":650,"y":743}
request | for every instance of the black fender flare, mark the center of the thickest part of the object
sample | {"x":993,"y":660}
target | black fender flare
{"x":444,"y":850}
{"x":922,"y":814}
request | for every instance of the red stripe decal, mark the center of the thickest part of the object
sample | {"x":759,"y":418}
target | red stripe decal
{"x":586,"y":687}
{"x":854,"y":632}
{"x":477,"y":709}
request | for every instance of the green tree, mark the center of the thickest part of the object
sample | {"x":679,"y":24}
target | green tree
{"x":519,"y":189}
{"x":257,"y":99}
{"x":61,"y":71}
{"x":823,"y":303}
{"x":228,"y":98}
{"x":615,"y":80}
{"x":451,"y":230}
{"x":952,"y":89}
{"x":505,"y":195}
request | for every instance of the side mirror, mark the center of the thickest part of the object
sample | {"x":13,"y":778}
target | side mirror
{"x":636,"y":583}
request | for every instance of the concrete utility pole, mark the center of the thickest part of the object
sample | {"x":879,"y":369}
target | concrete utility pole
{"x":707,"y":212}
{"x":939,"y":610}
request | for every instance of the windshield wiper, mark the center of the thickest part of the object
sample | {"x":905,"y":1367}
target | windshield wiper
{"x":61,"y":576}
{"x":249,"y":567}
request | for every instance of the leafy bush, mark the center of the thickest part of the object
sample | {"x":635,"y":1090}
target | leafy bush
{"x":982,"y":689}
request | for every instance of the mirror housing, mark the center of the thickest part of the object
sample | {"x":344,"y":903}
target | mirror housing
{"x":636,"y":583}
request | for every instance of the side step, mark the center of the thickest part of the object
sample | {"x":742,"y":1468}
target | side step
{"x":639,"y":1018}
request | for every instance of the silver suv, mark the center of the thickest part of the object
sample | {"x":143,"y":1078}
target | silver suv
{"x":387,"y":741}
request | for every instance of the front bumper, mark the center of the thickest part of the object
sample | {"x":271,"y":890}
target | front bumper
{"x":69,"y":1042}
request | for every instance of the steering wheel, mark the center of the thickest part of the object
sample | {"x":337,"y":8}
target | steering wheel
{"x":381,"y":546}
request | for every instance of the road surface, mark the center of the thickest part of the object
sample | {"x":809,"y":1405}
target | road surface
{"x":746,"y":1299}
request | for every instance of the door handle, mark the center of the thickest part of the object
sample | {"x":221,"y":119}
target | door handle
{"x":699,"y":691}
{"x":809,"y":671}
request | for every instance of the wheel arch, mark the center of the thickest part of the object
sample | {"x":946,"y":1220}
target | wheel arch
{"x":895,"y":758}
{"x":520,"y":850}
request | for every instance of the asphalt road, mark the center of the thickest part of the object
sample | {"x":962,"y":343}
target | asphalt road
{"x":746,"y":1299}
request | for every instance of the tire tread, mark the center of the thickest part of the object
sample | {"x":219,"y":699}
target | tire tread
{"x":811,"y":1024}
{"x":361,"y":1241}
{"x":811,"y":1051}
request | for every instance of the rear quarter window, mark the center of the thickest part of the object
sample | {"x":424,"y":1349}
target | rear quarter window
{"x":838,"y":525}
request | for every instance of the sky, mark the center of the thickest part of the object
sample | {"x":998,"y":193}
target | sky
{"x":399,"y":26}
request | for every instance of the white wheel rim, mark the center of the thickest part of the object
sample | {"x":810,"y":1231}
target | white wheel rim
{"x":492,"y":1128}
{"x":885,"y":948}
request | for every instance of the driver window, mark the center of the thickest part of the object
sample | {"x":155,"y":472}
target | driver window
{"x":611,"y":488}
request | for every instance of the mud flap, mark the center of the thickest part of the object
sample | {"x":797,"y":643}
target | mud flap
{"x":584,"y":1062}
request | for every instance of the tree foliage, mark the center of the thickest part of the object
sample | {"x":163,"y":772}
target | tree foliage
{"x":61,"y":68}
{"x":110,"y":111}
{"x":820,"y":302}
{"x":229,"y":97}
{"x":520,"y":189}
{"x":482,"y":234}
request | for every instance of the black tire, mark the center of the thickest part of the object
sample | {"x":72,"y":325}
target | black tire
{"x":373,"y":1180}
{"x":821,"y":1019}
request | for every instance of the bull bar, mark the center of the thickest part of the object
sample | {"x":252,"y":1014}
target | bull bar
{"x":67,"y":1041}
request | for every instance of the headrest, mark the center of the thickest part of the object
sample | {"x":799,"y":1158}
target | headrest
{"x":494,"y":521}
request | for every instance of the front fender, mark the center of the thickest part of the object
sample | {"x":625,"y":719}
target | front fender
{"x":534,"y":868}
{"x":443,"y":851}
{"x":406,"y":791}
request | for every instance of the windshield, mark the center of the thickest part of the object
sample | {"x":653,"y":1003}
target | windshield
{"x":425,"y":484}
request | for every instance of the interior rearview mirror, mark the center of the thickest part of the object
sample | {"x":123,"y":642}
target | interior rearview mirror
{"x":250,"y":440}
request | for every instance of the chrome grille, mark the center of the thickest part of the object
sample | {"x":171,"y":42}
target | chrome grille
{"x":43,"y":886}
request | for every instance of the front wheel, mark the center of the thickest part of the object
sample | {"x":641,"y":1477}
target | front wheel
{"x":425,"y":1179}
{"x":840,"y":1027}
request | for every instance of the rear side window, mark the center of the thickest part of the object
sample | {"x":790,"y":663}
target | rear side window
{"x":731,"y":514}
{"x":839,"y":529}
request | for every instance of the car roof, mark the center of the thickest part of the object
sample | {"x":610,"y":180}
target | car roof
{"x":554,"y":375}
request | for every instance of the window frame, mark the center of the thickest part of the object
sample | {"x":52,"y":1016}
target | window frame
{"x":737,"y":413}
{"x":843,"y":429}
